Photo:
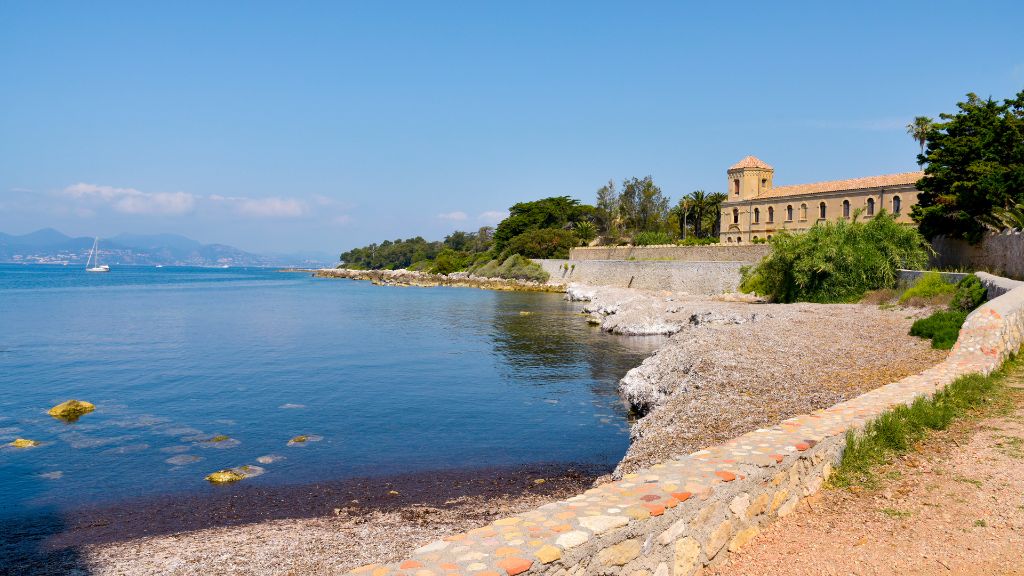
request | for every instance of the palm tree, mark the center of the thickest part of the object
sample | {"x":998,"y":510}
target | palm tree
{"x":698,"y":204}
{"x":918,"y":130}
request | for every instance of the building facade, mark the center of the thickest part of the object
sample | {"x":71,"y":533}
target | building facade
{"x":756,"y":209}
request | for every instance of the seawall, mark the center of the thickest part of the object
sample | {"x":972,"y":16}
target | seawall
{"x":747,"y":254}
{"x":693,"y":510}
{"x":694,"y":277}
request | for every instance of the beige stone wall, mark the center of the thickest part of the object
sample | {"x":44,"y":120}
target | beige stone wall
{"x":706,"y":278}
{"x":746,"y":220}
{"x":749,"y":254}
{"x":999,"y":253}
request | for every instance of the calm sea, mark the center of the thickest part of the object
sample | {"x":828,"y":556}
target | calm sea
{"x":383,"y":380}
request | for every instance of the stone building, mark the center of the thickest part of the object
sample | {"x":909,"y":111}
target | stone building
{"x":756,"y":209}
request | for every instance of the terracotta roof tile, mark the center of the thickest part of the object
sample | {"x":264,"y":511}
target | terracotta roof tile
{"x":750,"y":162}
{"x":840,"y":185}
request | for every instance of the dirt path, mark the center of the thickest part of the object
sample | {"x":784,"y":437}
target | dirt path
{"x":953,"y":506}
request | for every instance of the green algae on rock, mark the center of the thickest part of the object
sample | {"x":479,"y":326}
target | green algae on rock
{"x":224,"y":477}
{"x":218,"y":438}
{"x":71,"y":410}
{"x":300,"y":439}
{"x":24,"y":443}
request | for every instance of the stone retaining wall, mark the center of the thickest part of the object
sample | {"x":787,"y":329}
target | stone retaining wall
{"x":693,"y":277}
{"x":748,"y":253}
{"x":908,"y":277}
{"x":694,"y":510}
{"x":1001,"y":254}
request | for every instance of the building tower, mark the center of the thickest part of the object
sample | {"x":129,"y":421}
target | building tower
{"x":749,"y":178}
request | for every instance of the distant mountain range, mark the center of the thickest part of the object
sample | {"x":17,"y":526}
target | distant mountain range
{"x":49,"y":246}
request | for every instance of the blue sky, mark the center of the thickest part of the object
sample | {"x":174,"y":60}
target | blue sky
{"x":318,"y":126}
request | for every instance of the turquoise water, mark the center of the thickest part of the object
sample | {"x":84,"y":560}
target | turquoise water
{"x":384,"y":380}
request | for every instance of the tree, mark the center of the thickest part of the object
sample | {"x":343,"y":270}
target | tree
{"x":975,"y":163}
{"x":541,"y":243}
{"x":642,"y":204}
{"x":607,"y":209}
{"x":684,"y":212}
{"x":555,"y":212}
{"x":918,"y":130}
{"x":585,"y":231}
{"x":701,"y":204}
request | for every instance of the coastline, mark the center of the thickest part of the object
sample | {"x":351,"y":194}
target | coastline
{"x":426,"y":280}
{"x":318,"y":529}
{"x":263,"y":523}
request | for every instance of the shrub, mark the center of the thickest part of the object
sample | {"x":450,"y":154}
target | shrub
{"x":585,"y":231}
{"x":838,"y":261}
{"x":541,"y":243}
{"x":514,"y":267}
{"x":449,"y":261}
{"x":970,"y":293}
{"x":942,"y":327}
{"x":929,"y":286}
{"x":651,"y":238}
{"x":695,"y":241}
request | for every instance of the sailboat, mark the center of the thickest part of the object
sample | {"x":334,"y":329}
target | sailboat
{"x":94,"y":258}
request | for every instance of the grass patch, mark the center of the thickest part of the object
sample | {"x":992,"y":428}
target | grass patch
{"x":967,"y":480}
{"x":894,"y":513}
{"x":942,"y":328}
{"x":895,"y":431}
{"x":980,"y":524}
{"x":928,"y":288}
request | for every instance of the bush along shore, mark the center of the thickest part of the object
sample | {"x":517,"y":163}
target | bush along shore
{"x":426,"y":279}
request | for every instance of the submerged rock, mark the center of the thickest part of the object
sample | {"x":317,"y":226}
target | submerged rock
{"x":230,"y":475}
{"x":304,"y":439}
{"x":218,"y":438}
{"x":225,"y":477}
{"x":24,"y":443}
{"x":71,"y":410}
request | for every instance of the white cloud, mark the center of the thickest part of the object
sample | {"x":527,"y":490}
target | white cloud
{"x":272,"y":207}
{"x":132,"y":201}
{"x":456,"y":216}
{"x":492,"y":216}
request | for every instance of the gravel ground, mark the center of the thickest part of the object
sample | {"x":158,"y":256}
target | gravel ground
{"x":953,"y":506}
{"x":733,"y":366}
{"x":314,"y":529}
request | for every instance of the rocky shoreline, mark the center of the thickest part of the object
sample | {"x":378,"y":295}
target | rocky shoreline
{"x":404,"y":277}
{"x":734,"y":363}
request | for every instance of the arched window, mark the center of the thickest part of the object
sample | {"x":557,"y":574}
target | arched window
{"x":735,"y":216}
{"x":789,"y":213}
{"x":769,"y":236}
{"x":821,"y":210}
{"x":757,"y":215}
{"x":803,"y":211}
{"x":764,"y":183}
{"x":739,"y":239}
{"x":771,"y":214}
{"x":871,"y":206}
{"x":736,"y":186}
{"x":755,"y":238}
{"x":728,"y":238}
{"x":846,"y":208}
{"x":896,"y":205}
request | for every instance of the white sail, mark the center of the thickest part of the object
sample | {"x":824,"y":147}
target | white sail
{"x":94,"y":257}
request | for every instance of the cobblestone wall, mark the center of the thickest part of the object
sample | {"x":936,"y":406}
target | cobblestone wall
{"x":748,"y":254}
{"x":691,"y":511}
{"x":692,"y":277}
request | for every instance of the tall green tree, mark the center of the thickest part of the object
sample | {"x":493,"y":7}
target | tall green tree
{"x":554,"y":212}
{"x":975,"y":163}
{"x":918,"y":130}
{"x":701,"y":205}
{"x":607,"y":209}
{"x":643,"y":206}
